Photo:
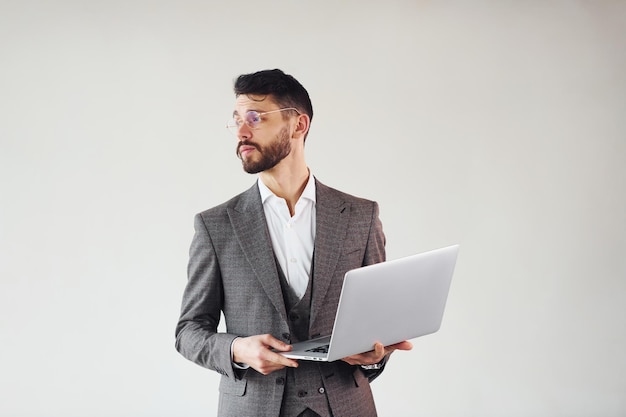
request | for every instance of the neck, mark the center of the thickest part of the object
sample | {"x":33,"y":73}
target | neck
{"x":287,"y":184}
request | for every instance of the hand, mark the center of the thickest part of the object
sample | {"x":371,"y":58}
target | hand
{"x":255,"y":351}
{"x":375,"y":356}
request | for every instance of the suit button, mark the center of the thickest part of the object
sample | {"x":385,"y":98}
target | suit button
{"x":286,"y":336}
{"x":302,"y":393}
{"x":321,"y":390}
{"x":293,"y":317}
{"x":280,"y":381}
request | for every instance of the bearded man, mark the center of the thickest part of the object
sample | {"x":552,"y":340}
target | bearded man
{"x":272,"y":261}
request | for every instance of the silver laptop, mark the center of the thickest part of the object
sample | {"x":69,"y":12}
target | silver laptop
{"x":388,"y":303}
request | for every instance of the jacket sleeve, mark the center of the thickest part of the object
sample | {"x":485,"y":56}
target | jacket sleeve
{"x":375,"y":253}
{"x":197,"y":338}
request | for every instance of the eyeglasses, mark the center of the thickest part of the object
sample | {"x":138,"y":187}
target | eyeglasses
{"x":252,"y":119}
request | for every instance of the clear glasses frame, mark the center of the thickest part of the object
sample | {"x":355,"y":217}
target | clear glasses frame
{"x":252,"y":119}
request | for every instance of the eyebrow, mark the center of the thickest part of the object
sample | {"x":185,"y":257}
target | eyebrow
{"x":236,"y":113}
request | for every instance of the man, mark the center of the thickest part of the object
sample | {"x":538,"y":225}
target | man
{"x":272,"y":259}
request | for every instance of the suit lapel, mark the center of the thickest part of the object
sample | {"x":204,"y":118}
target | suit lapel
{"x":332,"y":216}
{"x":250,"y":228}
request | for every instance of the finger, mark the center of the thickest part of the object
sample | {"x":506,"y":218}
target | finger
{"x":257,"y":352}
{"x":398,"y":346}
{"x":406,"y":345}
{"x":284,"y":361}
{"x":270,"y":361}
{"x":275,"y":357}
{"x":273,"y":343}
{"x":380,"y":350}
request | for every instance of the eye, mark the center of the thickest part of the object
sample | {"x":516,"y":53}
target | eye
{"x":253,"y":118}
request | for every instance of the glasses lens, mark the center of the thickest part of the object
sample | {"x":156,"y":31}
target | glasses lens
{"x":253,"y":119}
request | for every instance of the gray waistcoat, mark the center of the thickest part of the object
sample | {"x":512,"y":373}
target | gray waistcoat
{"x":297,"y":397}
{"x":298,"y":310}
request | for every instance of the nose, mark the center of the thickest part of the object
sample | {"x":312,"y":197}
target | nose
{"x":244,"y":132}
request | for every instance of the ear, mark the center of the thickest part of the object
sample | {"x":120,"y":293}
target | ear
{"x":303,"y":122}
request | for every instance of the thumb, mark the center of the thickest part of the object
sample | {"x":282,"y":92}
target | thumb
{"x":276,"y":344}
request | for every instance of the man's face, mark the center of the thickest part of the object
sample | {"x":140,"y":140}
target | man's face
{"x":261,"y":148}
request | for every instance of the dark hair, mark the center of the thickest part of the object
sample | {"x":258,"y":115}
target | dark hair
{"x":284,"y":89}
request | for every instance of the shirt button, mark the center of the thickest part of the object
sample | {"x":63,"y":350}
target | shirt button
{"x":321,"y":390}
{"x":293,"y":260}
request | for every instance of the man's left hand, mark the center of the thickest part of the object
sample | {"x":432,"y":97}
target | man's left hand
{"x":375,"y":356}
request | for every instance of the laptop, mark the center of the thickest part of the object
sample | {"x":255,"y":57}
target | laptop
{"x":388,"y":302}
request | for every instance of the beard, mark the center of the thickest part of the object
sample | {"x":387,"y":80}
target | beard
{"x":271,"y":154}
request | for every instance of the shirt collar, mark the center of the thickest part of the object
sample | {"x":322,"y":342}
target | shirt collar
{"x":308,"y":192}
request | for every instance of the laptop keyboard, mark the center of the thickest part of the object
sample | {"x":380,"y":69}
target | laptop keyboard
{"x":319,"y":349}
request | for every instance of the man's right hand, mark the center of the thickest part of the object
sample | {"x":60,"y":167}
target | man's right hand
{"x":256,"y":352}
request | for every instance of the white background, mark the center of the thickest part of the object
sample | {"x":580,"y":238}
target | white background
{"x":497,"y":125}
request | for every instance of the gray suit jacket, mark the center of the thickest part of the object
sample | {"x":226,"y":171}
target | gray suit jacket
{"x":232,"y":269}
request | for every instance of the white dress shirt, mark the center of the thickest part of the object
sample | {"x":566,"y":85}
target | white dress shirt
{"x":293,"y":238}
